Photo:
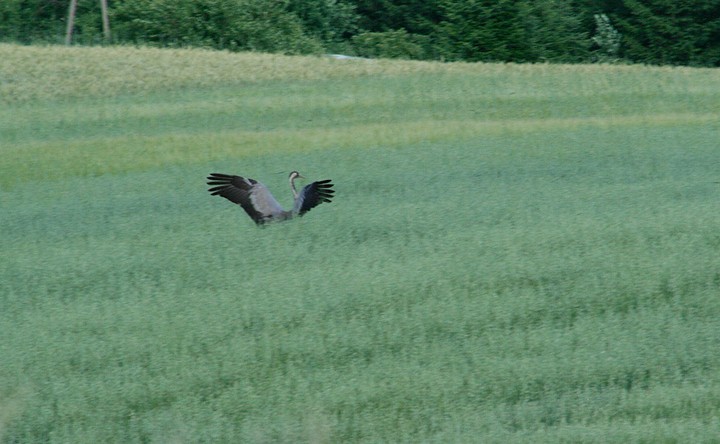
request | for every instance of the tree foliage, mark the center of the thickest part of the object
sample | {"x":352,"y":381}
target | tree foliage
{"x":640,"y":31}
{"x":391,"y":44}
{"x":670,"y":32}
{"x":508,"y":30}
{"x":26,"y":21}
{"x":327,"y":20}
{"x":258,"y":25}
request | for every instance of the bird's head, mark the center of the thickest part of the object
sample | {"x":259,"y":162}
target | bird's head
{"x":295,"y":175}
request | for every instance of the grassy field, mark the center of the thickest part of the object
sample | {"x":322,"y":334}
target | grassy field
{"x":516,"y":253}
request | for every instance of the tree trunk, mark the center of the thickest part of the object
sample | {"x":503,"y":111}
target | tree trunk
{"x":70,"y":22}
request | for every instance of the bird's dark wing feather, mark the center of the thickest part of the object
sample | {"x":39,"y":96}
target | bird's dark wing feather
{"x":251,"y":195}
{"x":313,"y":195}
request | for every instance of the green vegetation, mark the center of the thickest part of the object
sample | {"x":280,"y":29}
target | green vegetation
{"x":515,"y":253}
{"x":660,"y":32}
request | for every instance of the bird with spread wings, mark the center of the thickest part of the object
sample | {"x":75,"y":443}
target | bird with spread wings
{"x":259,"y":203}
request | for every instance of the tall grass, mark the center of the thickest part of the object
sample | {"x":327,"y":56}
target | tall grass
{"x":515,"y":253}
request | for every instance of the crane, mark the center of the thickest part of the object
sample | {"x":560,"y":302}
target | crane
{"x":259,"y":203}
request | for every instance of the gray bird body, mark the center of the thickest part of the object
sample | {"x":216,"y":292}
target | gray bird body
{"x":259,"y":203}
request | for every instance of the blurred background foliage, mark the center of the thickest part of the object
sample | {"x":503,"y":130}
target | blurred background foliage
{"x":661,"y":32}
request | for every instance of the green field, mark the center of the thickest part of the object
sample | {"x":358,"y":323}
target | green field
{"x":515,"y":253}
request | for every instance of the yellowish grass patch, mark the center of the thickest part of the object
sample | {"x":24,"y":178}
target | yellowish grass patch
{"x":135,"y":153}
{"x":56,"y":72}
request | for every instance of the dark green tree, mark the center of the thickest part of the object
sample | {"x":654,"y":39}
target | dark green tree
{"x":668,"y":32}
{"x":481,"y":30}
{"x":392,"y":44}
{"x":26,"y":21}
{"x":257,"y":25}
{"x":511,"y":30}
{"x":330,"y":21}
{"x":555,"y":32}
{"x":414,"y":16}
{"x":397,"y":28}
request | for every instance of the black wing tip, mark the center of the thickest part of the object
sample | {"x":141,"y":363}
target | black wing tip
{"x":324,"y":187}
{"x":325,"y":191}
{"x":218,"y":179}
{"x":217,"y":190}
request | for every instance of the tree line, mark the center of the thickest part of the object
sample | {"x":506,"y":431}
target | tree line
{"x":667,"y":32}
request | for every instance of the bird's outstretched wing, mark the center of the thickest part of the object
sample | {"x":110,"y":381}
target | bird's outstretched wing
{"x":251,"y":195}
{"x":313,"y":195}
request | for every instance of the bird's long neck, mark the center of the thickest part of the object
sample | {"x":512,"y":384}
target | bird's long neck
{"x":292,"y":186}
